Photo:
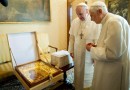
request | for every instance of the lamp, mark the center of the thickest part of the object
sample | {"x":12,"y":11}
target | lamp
{"x":4,"y":2}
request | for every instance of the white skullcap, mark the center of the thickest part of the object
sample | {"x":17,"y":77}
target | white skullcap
{"x":83,"y":4}
{"x":99,"y":4}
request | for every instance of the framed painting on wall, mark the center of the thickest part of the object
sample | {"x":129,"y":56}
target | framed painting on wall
{"x":25,"y":11}
{"x":120,"y":7}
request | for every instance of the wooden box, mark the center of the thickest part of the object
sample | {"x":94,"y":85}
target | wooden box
{"x":33,"y":73}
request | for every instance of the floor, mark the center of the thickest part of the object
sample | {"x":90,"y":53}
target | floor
{"x":11,"y":83}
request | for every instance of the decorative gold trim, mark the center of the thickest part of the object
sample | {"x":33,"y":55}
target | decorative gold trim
{"x":70,"y":1}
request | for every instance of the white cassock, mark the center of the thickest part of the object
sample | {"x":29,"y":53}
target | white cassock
{"x":82,"y":60}
{"x":112,"y":55}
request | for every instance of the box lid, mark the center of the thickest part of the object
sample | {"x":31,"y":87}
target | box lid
{"x":23,"y":47}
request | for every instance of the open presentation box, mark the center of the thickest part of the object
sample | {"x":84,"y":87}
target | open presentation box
{"x":33,"y":73}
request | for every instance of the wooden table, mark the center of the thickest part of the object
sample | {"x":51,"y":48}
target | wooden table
{"x":65,"y":69}
{"x":64,"y":82}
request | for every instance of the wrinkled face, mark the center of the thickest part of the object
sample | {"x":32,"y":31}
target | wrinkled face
{"x":95,"y":16}
{"x":81,"y":13}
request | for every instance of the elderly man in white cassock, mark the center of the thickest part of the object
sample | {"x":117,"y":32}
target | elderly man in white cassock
{"x":82,"y":31}
{"x":112,"y":54}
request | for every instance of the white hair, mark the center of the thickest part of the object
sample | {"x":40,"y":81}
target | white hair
{"x":98,"y":5}
{"x":82,"y":5}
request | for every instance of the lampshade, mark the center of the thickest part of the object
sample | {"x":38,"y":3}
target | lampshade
{"x":4,"y":2}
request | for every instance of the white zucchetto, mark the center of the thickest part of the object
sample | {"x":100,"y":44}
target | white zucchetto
{"x":82,"y":4}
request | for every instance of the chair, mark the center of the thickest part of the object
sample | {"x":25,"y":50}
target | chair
{"x":45,"y":49}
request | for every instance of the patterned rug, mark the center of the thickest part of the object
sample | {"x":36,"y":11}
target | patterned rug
{"x":11,"y":83}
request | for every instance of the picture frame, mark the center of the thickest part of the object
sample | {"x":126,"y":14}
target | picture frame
{"x":25,"y":11}
{"x":119,"y":7}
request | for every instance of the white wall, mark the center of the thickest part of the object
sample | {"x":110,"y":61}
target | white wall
{"x":56,"y":28}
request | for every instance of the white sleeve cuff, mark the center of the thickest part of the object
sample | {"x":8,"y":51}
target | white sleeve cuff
{"x":98,"y":53}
